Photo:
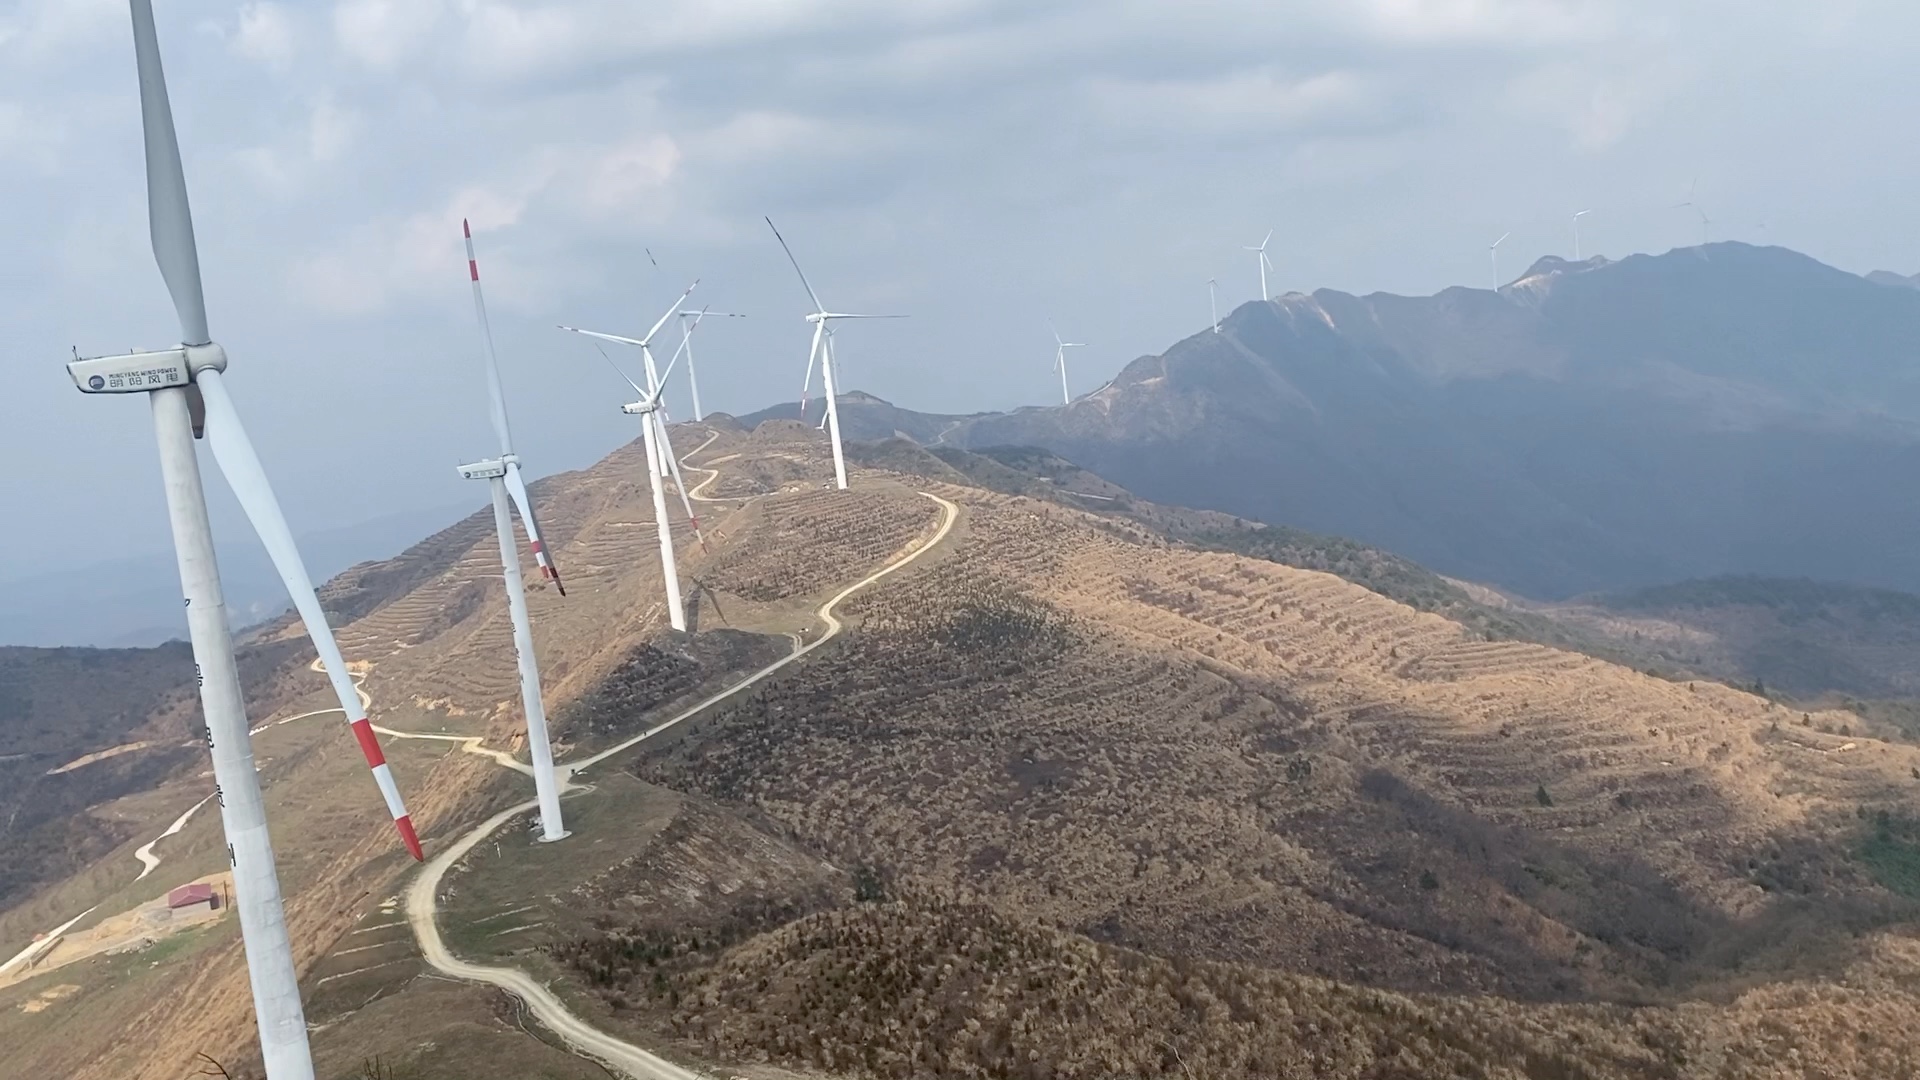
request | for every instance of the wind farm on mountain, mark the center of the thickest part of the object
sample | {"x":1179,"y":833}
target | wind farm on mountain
{"x":1509,"y":682}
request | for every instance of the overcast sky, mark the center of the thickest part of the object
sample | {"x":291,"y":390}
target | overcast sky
{"x":979,"y":165}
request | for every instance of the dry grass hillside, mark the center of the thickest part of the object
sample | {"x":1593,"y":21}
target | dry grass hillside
{"x":429,"y":633}
{"x":1072,"y":797}
{"x":1201,"y":756}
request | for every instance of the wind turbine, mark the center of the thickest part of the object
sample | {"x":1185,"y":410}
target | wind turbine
{"x":1576,"y":232}
{"x":188,"y":398}
{"x":503,"y":476}
{"x":653,"y":434}
{"x":1213,"y":303}
{"x":820,"y":318}
{"x":686,"y":342}
{"x":1265,"y":264}
{"x":1706,"y":223}
{"x":1060,"y":361}
{"x":1493,"y":254}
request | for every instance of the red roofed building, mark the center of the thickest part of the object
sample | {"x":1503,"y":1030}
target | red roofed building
{"x":187,"y":896}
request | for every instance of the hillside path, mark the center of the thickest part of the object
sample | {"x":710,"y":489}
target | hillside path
{"x":422,"y":897}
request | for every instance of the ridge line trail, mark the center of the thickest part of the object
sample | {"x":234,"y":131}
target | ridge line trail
{"x":422,"y":899}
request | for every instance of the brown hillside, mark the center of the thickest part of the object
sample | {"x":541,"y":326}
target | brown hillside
{"x":1199,"y":755}
{"x":1070,"y":798}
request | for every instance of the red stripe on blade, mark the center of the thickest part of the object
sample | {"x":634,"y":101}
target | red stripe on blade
{"x":412,"y":839}
{"x":537,"y":546}
{"x":474,"y":269}
{"x":369,"y":745}
{"x":465,"y":230}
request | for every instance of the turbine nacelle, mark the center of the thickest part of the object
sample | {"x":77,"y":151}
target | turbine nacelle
{"x":640,"y":408}
{"x":144,"y":371}
{"x":489,"y":469}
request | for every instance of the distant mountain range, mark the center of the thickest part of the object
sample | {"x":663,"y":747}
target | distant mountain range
{"x":1724,"y":409}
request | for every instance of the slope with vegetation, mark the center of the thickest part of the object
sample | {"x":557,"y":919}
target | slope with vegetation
{"x":1098,"y":788}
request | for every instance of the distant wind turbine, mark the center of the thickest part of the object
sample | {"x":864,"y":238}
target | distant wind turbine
{"x":659,"y":448}
{"x":1706,"y":223}
{"x":1576,"y":232}
{"x":687,"y":319}
{"x":820,"y":318}
{"x":1493,"y":255}
{"x":1265,"y":264}
{"x":1060,"y":361}
{"x":1213,"y":303}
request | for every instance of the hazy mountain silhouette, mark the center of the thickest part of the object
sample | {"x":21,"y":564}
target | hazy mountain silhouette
{"x":1594,"y":425}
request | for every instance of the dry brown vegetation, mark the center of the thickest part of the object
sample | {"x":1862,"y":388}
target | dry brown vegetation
{"x":1199,"y":755}
{"x":933,"y":987}
{"x":1073,"y":799}
{"x":799,"y":544}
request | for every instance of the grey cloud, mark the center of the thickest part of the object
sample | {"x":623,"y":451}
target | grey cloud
{"x":981,"y":165}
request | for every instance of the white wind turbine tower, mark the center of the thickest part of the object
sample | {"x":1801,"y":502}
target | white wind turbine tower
{"x":686,"y":342}
{"x":1493,"y":255}
{"x":1576,"y":232}
{"x":186,"y":393}
{"x":1213,"y":303}
{"x":1265,"y":264}
{"x":659,"y":449}
{"x":503,"y":476}
{"x":820,"y":317}
{"x":1060,"y":361}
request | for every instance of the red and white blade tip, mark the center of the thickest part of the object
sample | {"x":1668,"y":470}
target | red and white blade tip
{"x":383,"y":776}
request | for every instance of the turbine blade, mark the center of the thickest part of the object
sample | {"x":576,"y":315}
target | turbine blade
{"x":616,"y":338}
{"x":241,"y":466}
{"x":617,"y":371}
{"x":1263,"y":243}
{"x":673,"y":466}
{"x":169,"y":217}
{"x":497,"y":397}
{"x":848,"y":315}
{"x":814,"y":296}
{"x":671,"y":312}
{"x":661,"y":386}
{"x":523,"y":502}
{"x":813,"y":352}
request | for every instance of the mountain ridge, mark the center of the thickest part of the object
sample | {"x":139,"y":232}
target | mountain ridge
{"x":1592,"y":427}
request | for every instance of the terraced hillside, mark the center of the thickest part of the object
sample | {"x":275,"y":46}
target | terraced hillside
{"x":1202,"y":756}
{"x":1072,"y":797}
{"x":428,"y":634}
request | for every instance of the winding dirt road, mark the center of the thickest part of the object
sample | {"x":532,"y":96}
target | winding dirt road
{"x":422,"y":894}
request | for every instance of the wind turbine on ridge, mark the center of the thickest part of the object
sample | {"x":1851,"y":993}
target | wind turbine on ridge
{"x":1706,"y":223}
{"x":188,"y":398}
{"x":1493,"y":255}
{"x":1265,"y":265}
{"x":659,"y":448}
{"x":693,"y":377}
{"x":820,"y":317}
{"x":1060,"y":361}
{"x":503,"y":477}
{"x":686,"y":342}
{"x":1578,"y":214}
{"x":1213,"y":303}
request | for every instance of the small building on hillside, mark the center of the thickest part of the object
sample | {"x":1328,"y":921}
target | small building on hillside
{"x":197,"y":896}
